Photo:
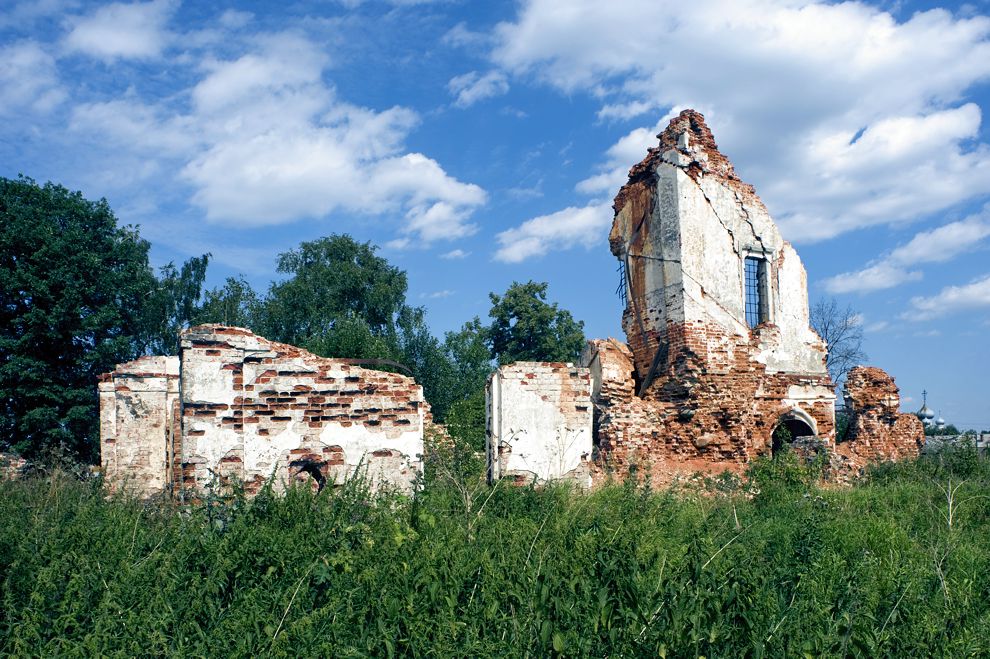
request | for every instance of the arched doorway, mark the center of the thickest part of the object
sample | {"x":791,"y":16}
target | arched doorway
{"x":791,"y":425}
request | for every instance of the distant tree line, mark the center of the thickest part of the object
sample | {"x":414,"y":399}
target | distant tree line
{"x":78,"y":296}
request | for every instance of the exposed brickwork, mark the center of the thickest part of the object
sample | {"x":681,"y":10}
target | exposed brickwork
{"x":697,"y":388}
{"x":11,"y":466}
{"x":253,"y":408}
{"x":250,"y":410}
{"x":879,"y":432}
{"x":700,"y":414}
{"x":539,"y":421}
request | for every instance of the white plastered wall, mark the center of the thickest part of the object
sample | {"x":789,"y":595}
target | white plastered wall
{"x":539,"y":422}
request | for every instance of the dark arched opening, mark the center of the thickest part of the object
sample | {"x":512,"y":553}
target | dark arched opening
{"x":789,"y":427}
{"x":310,"y":471}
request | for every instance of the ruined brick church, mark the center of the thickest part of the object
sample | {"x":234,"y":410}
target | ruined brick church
{"x":719,"y":356}
{"x":719,"y":352}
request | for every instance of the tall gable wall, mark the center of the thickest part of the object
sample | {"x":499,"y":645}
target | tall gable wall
{"x":708,"y":387}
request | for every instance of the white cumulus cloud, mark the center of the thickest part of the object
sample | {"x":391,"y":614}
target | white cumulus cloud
{"x":560,"y":230}
{"x":841,"y":115}
{"x":472,"y":87}
{"x":29,"y":80}
{"x":937,"y":245}
{"x":123,"y":30}
{"x":267,"y":141}
{"x":951,"y":299}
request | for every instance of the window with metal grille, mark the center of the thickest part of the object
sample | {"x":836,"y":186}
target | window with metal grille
{"x":756,"y":291}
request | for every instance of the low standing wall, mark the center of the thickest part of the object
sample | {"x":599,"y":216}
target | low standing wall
{"x":237,"y":408}
{"x":253,"y":408}
{"x":539,"y":420}
{"x":879,"y":431}
{"x":139,"y":427}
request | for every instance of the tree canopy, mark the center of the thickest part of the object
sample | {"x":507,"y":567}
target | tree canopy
{"x":525,"y":327}
{"x":235,"y":303}
{"x":78,"y":297}
{"x":334,"y":284}
{"x":73,"y":288}
{"x":173,"y":304}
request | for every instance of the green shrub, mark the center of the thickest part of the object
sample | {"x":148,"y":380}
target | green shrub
{"x":783,"y":476}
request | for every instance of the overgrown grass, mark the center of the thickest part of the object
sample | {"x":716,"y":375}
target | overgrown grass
{"x":897,"y":566}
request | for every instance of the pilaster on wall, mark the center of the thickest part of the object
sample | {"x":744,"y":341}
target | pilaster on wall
{"x":139,"y":432}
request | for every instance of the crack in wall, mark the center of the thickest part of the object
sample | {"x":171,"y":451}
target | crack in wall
{"x":718,"y":217}
{"x":749,"y":221}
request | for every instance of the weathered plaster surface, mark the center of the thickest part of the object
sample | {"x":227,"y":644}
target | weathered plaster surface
{"x":253,"y":409}
{"x":138,"y":424}
{"x":539,"y":423}
{"x":246,"y":410}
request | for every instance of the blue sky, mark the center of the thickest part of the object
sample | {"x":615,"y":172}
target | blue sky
{"x":481,"y":143}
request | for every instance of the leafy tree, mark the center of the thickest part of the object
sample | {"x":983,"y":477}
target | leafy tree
{"x":931,"y":430}
{"x":235,"y":304}
{"x":351,"y":337}
{"x":526,"y":328}
{"x":330,"y":279}
{"x":466,"y":420}
{"x":73,"y":286}
{"x":842,"y":332}
{"x":430,"y":364}
{"x":174,"y":304}
{"x":470,"y":355}
{"x":342,"y":300}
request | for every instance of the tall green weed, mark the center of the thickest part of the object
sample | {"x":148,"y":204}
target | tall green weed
{"x":462,"y":569}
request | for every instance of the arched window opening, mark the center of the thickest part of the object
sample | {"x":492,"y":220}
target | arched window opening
{"x":309,"y":471}
{"x":789,"y":427}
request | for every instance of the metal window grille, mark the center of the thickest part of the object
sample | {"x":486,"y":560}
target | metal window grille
{"x":755,"y":305}
{"x":621,"y":290}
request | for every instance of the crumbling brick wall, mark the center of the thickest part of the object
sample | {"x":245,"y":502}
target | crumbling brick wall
{"x":703,"y":388}
{"x":695,"y":420}
{"x":539,"y":423}
{"x":253,"y":408}
{"x":139,"y":432}
{"x":246,"y":410}
{"x":11,"y":466}
{"x":878,"y":430}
